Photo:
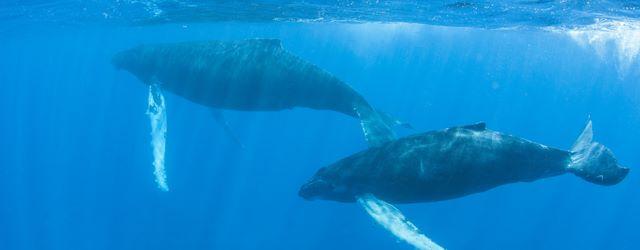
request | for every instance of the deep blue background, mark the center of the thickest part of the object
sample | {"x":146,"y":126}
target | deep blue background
{"x":75,"y":159}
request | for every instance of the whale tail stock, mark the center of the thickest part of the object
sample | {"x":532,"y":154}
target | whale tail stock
{"x":594,"y":162}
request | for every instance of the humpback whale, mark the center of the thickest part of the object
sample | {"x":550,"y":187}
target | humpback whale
{"x":453,"y":163}
{"x":247,"y":75}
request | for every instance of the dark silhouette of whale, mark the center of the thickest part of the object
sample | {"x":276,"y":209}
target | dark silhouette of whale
{"x":456,"y":162}
{"x":250,"y":75}
{"x":448,"y":164}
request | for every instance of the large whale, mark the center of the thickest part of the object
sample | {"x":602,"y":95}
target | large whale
{"x":247,"y":75}
{"x":452,"y":163}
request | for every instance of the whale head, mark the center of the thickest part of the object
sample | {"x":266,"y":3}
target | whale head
{"x":315,"y":188}
{"x":126,"y":59}
{"x":323,"y":186}
{"x":137,"y":61}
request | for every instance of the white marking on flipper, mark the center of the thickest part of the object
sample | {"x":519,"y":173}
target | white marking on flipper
{"x":158,"y":117}
{"x":394,"y":221}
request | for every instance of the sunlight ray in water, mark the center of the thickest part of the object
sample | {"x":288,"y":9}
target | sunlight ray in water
{"x":158,"y":117}
{"x":621,"y":38}
{"x":394,"y":221}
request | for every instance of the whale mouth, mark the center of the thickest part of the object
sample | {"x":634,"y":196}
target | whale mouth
{"x":305,"y":192}
{"x":305,"y":195}
{"x":314,"y":189}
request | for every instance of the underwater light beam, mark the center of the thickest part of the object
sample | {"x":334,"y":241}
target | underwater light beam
{"x":619,"y":37}
{"x":158,"y":117}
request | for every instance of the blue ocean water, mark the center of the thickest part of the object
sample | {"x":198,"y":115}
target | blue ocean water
{"x":76,"y":165}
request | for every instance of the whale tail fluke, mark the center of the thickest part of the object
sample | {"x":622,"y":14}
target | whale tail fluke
{"x":377,"y":125}
{"x":594,"y":162}
{"x":376,"y":129}
{"x":391,"y":121}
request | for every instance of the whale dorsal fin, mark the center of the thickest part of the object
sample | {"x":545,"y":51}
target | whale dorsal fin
{"x":480,"y":126}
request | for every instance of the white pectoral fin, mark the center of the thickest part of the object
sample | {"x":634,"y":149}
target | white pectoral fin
{"x":158,"y":117}
{"x":394,"y":221}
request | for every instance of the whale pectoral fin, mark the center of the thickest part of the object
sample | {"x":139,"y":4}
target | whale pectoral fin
{"x":219,"y":117}
{"x":157,"y":113}
{"x":480,"y":126}
{"x":394,"y":221}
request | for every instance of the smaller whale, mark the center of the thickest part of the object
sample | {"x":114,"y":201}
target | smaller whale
{"x":453,"y":163}
{"x":250,"y":75}
{"x":247,"y":75}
